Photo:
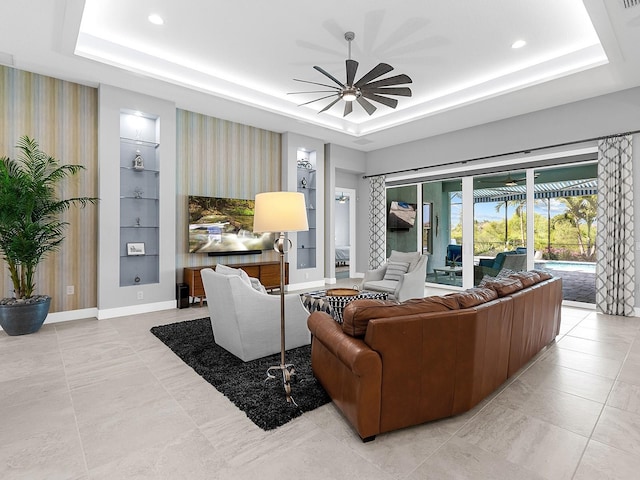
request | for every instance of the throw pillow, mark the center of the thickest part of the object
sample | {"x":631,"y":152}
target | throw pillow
{"x":395,"y":270}
{"x":255,"y":283}
{"x":238,"y":272}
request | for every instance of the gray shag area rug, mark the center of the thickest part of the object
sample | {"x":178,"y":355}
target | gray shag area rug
{"x":244,"y":383}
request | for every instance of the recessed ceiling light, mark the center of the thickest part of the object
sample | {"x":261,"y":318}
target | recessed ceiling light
{"x":156,"y":19}
{"x":518,"y":44}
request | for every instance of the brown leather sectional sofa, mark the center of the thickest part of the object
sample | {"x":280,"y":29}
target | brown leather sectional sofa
{"x":391,"y":365}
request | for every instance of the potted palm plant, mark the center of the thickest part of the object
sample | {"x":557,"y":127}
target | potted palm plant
{"x":30,"y":228}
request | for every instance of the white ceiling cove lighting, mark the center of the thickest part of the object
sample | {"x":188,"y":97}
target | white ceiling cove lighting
{"x":156,"y":19}
{"x":446,"y":77}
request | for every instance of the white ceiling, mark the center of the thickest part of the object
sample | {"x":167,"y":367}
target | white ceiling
{"x":237,"y":60}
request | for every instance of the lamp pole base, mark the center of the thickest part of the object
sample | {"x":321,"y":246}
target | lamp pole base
{"x":288,"y":371}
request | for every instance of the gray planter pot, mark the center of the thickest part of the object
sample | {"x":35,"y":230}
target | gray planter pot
{"x":23,"y":318}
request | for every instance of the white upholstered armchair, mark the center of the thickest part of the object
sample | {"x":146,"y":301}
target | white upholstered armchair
{"x":403,"y":276}
{"x":246,"y":322}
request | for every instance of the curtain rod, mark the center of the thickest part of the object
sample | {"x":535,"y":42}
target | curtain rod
{"x":497,"y":155}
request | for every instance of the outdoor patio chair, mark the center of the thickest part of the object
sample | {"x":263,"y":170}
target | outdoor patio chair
{"x":454,"y":254}
{"x":492,"y":267}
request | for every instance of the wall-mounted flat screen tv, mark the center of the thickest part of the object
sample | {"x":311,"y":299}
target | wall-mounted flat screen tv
{"x":224,"y":226}
{"x":402,"y":215}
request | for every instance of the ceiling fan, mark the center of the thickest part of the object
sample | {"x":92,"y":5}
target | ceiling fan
{"x":362,"y":90}
{"x":507,"y":181}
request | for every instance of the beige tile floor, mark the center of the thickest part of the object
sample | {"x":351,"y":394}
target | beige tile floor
{"x":105,"y":399}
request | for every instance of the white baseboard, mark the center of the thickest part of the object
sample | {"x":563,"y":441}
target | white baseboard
{"x":292,"y":287}
{"x":135,"y":309}
{"x":70,"y":315}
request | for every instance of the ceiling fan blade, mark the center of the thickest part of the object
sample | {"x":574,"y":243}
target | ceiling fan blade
{"x":389,"y":102}
{"x":374,"y":73}
{"x":352,"y":67}
{"x":321,"y":98}
{"x":316,"y":83}
{"x":324,"y":72}
{"x":330,"y":105}
{"x":348,"y":108}
{"x":390,"y":81}
{"x":368,"y":106}
{"x":402,"y":91}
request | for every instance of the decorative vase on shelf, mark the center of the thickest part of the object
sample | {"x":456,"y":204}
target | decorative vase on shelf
{"x":138,"y":162}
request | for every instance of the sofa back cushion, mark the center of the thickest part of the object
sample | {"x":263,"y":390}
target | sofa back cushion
{"x":527,"y":278}
{"x":357,"y":314}
{"x":503,"y":286}
{"x":544,"y":275}
{"x":473,"y":297}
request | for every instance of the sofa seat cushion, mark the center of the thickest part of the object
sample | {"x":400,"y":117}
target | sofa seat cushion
{"x":395,"y":270}
{"x":527,"y":278}
{"x":473,"y":297}
{"x":357,"y":314}
{"x":504,"y":286}
{"x":388,"y":286}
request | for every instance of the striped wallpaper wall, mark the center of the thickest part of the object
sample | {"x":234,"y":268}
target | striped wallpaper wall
{"x":62,"y":117}
{"x":219,"y":158}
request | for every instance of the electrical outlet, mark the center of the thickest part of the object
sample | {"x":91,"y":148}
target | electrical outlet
{"x":71,"y":290}
{"x":140,"y":295}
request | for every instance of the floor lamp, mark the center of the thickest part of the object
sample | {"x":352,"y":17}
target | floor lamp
{"x":281,"y":212}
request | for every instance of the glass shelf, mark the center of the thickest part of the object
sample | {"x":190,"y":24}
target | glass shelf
{"x":134,"y":141}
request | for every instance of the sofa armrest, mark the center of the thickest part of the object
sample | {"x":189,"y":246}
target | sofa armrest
{"x":352,"y":352}
{"x":350,"y":372}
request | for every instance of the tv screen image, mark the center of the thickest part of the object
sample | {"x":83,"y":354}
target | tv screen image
{"x":402,"y":215}
{"x":224,"y":226}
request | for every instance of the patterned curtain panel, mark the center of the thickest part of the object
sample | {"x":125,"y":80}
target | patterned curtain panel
{"x":377,"y":221}
{"x":615,"y":272}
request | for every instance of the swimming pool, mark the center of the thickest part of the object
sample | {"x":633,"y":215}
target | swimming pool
{"x":588,"y":267}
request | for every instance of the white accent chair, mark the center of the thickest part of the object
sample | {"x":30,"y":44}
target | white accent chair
{"x":246,"y":322}
{"x":408,"y":285}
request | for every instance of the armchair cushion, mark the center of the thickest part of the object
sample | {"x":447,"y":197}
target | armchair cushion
{"x":395,"y":270}
{"x":411,"y":257}
{"x":244,"y":276}
{"x":238,"y":272}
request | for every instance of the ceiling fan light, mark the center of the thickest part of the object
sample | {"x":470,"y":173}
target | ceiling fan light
{"x":349,"y":94}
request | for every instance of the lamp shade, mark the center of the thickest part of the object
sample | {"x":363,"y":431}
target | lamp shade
{"x":280,"y":212}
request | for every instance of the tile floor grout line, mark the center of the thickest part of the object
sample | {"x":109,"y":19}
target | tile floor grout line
{"x":73,"y":407}
{"x":604,"y":405}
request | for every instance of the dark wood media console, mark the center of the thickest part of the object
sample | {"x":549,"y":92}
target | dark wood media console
{"x":267,"y":272}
